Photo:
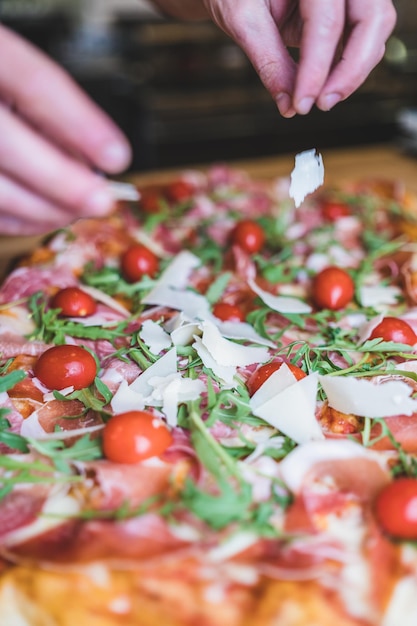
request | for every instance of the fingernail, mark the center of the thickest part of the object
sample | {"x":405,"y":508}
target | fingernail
{"x":330,"y":100}
{"x":115,"y":156}
{"x":304,"y":106}
{"x":283,"y":102}
{"x":100,"y":202}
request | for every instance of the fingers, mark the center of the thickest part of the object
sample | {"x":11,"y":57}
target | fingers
{"x":24,"y":213}
{"x":53,"y":175}
{"x":51,"y":101}
{"x":255,"y":31}
{"x":323,"y":27}
{"x":371,"y":26}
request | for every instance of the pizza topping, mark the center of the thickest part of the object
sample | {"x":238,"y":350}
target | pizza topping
{"x":396,"y":330}
{"x":333,"y":288}
{"x":396,"y":508}
{"x":249,"y":235}
{"x":228,"y":312}
{"x":282,"y":304}
{"x":307,"y":175}
{"x":73,"y":302}
{"x":365,"y":398}
{"x":63,"y":366}
{"x":138,"y":261}
{"x":263,"y":372}
{"x":135,"y":436}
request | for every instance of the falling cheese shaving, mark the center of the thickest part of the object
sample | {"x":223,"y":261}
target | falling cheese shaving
{"x":307,"y":175}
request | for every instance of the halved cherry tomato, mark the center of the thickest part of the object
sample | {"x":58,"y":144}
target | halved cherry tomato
{"x":134,"y":436}
{"x":396,"y":508}
{"x":394,"y":329}
{"x":333,"y":288}
{"x":228,"y":312}
{"x":249,"y":235}
{"x":66,"y":366}
{"x":179,"y":191}
{"x":138,"y":261}
{"x":74,"y":302}
{"x":263,"y":372}
{"x":333,"y":210}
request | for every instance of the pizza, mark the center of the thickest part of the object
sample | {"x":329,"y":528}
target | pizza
{"x":209,"y":410}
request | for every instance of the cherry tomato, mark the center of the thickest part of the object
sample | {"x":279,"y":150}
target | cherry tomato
{"x":138,"y":261}
{"x":333,"y":288}
{"x":228,"y":312}
{"x":394,"y":329}
{"x":150,"y":199}
{"x":134,"y":436}
{"x":179,"y":191}
{"x":396,"y":508}
{"x":333,"y":210}
{"x":66,"y":366}
{"x":249,"y":235}
{"x":74,"y":302}
{"x":263,"y":372}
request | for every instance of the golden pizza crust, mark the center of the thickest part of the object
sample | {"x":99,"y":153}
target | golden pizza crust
{"x":99,"y":597}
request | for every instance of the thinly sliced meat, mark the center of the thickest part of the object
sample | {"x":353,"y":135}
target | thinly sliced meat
{"x":19,"y":508}
{"x":12,"y":345}
{"x":67,"y":414}
{"x":25,"y":281}
{"x":404,"y":430}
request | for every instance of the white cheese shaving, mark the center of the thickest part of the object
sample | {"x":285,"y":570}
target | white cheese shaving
{"x":193,"y":305}
{"x":16,"y":320}
{"x":292,"y":408}
{"x":100,"y":296}
{"x":282,"y":304}
{"x":377,"y":295}
{"x":225,"y":373}
{"x":228,"y":353}
{"x":402,"y":607}
{"x":154,"y":336}
{"x":232,"y":546}
{"x":307,"y":175}
{"x":298,"y":463}
{"x":179,"y":270}
{"x":367,"y":399}
{"x":161,"y":385}
{"x":365,"y":329}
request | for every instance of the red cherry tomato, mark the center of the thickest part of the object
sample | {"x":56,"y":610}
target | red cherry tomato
{"x":394,"y":329}
{"x":228,"y":312}
{"x":150,"y":199}
{"x":66,"y":366}
{"x":333,"y":288}
{"x":138,"y":261}
{"x":396,"y":508}
{"x":248,"y":235}
{"x":332,"y":210}
{"x":263,"y":372}
{"x":179,"y":191}
{"x":74,"y":302}
{"x":134,"y":436}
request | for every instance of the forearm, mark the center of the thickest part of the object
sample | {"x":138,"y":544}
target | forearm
{"x":183,"y":9}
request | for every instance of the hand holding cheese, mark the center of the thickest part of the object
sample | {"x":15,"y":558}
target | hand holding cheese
{"x":52,"y":135}
{"x":340,"y":42}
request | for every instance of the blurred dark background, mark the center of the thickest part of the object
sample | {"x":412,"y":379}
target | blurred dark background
{"x":185,"y":94}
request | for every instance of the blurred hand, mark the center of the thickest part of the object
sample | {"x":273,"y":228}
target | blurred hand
{"x":340,"y":42}
{"x":51,"y":136}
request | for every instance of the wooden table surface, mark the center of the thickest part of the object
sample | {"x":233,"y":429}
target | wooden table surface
{"x":383,"y":161}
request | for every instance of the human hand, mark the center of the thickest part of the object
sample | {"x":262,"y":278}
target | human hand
{"x":51,"y":137}
{"x":340,"y":42}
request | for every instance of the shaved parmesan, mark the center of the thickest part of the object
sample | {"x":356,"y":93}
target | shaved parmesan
{"x":367,"y":399}
{"x":229,"y":353}
{"x":282,"y":304}
{"x":291,"y":409}
{"x":298,"y":463}
{"x":225,"y":373}
{"x":403,"y":602}
{"x":377,"y":295}
{"x":307,"y":175}
{"x":179,"y":270}
{"x":16,"y":320}
{"x":193,"y":305}
{"x":100,"y":296}
{"x":154,"y":336}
